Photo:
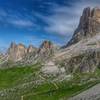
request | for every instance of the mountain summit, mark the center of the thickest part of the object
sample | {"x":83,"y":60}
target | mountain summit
{"x":89,"y":25}
{"x":46,"y":49}
{"x":82,"y":52}
{"x":17,"y":52}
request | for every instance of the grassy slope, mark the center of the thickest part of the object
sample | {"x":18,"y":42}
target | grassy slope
{"x":13,"y":77}
{"x":64,"y":90}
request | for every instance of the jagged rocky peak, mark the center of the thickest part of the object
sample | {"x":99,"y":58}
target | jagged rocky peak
{"x":16,"y":52}
{"x":13,"y":45}
{"x":96,"y":12}
{"x":31,"y":48}
{"x":20,"y":45}
{"x":46,"y":49}
{"x":46,"y":44}
{"x":89,"y":25}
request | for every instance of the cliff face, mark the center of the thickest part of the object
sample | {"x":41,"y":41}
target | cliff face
{"x":41,"y":54}
{"x":46,"y":49}
{"x":83,"y":56}
{"x":89,"y":25}
{"x":31,"y":48}
{"x":23,"y":55}
{"x":82,"y":53}
{"x":16,"y":52}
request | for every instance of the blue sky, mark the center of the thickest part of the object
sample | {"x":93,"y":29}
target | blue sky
{"x":32,"y":21}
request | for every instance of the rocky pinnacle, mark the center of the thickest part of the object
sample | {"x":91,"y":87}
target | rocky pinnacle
{"x":89,"y":25}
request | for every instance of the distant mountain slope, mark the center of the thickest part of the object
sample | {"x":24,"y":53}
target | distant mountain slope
{"x":19,"y":54}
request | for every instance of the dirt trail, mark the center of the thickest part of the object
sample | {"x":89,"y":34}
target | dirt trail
{"x":90,"y":94}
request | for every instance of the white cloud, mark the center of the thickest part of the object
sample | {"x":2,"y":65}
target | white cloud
{"x":59,"y":25}
{"x":21,"y":23}
{"x":64,"y":20}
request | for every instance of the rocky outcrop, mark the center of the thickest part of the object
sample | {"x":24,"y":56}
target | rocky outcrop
{"x":83,"y":56}
{"x":23,"y":55}
{"x":46,"y":50}
{"x":86,"y":62}
{"x":41,"y":54}
{"x":89,"y":25}
{"x":50,"y":68}
{"x":17,"y":52}
{"x":30,"y":57}
{"x":31,"y":48}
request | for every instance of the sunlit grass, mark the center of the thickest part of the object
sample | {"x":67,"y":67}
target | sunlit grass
{"x":14,"y":76}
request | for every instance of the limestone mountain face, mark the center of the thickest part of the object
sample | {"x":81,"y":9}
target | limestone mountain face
{"x":89,"y":25}
{"x":31,"y":48}
{"x":41,"y":54}
{"x":46,"y":49}
{"x":29,"y":55}
{"x":83,"y":56}
{"x":82,"y":52}
{"x":1,"y":56}
{"x":16,"y":52}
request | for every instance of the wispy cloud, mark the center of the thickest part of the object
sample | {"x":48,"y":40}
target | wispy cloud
{"x":64,"y":19}
{"x":16,"y":19}
{"x":61,"y":20}
{"x":21,"y":23}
